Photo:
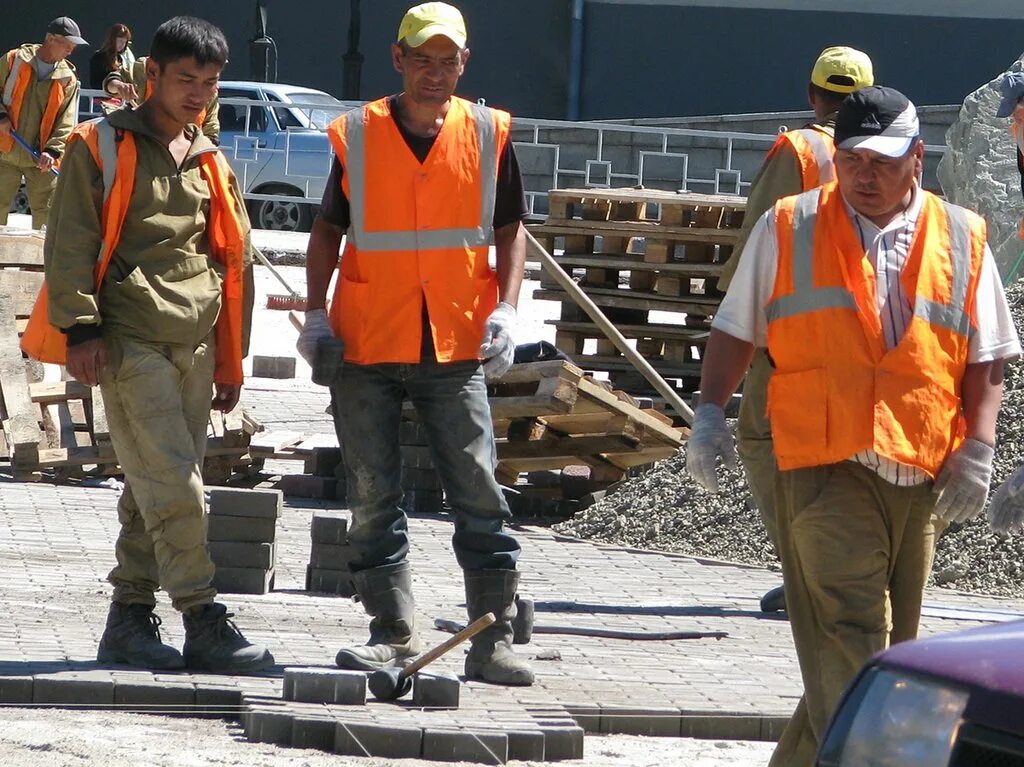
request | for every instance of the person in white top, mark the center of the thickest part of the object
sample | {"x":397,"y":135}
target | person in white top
{"x":883,"y":400}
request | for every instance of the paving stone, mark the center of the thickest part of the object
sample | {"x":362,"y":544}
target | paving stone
{"x":241,"y":529}
{"x":725,"y":727}
{"x":313,"y":732}
{"x":772,"y":727}
{"x":465,"y":746}
{"x":156,"y":697}
{"x":363,"y":739}
{"x":66,"y":690}
{"x":242,"y":554}
{"x":329,"y":527}
{"x":562,"y":742}
{"x":15,"y":689}
{"x":241,"y":502}
{"x":243,"y":580}
{"x":328,"y":556}
{"x":649,"y":720}
{"x":436,"y":691}
{"x":526,"y":745}
{"x":325,"y":462}
{"x":268,"y":726}
{"x":587,"y":715}
{"x":325,"y":686}
{"x":330,"y":581}
{"x":273,"y":367}
{"x":218,"y":702}
{"x":308,"y":486}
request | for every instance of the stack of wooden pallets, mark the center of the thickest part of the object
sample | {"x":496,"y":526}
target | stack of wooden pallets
{"x":639,"y":251}
{"x":59,"y":427}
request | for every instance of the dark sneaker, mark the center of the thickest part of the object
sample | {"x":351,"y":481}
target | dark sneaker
{"x":132,"y":638}
{"x":214,"y":643}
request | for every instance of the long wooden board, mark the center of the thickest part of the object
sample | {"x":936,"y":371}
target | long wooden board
{"x":21,"y":425}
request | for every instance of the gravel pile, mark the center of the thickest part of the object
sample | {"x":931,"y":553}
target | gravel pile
{"x":662,"y":509}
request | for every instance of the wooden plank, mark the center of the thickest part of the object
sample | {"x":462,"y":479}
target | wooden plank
{"x":565,"y":447}
{"x":274,"y":442}
{"x":89,"y":454}
{"x":100,"y":428}
{"x":21,"y":249}
{"x":23,"y":288}
{"x":645,"y":229}
{"x":606,"y":260}
{"x":656,"y":196}
{"x":535,"y":371}
{"x":234,"y":428}
{"x":553,"y":395}
{"x":696,"y":336}
{"x":631,"y":299}
{"x":655,"y":427}
{"x":22,"y":423}
{"x":58,"y":391}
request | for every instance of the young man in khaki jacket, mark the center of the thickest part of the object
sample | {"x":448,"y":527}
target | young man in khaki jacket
{"x":38,"y":99}
{"x":150,"y":337}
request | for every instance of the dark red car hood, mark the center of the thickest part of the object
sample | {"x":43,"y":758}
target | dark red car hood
{"x":989,"y":657}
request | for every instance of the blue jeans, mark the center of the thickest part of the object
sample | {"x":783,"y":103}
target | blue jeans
{"x":451,"y":400}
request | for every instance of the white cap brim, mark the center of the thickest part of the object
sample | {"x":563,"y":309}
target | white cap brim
{"x":890,"y":146}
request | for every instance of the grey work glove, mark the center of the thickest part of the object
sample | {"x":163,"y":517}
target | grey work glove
{"x":710,"y":439}
{"x":1006,"y":512}
{"x":962,"y":484}
{"x":315,"y":328}
{"x":497,"y":348}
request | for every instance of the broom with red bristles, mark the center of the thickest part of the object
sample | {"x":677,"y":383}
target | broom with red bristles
{"x":292,"y":301}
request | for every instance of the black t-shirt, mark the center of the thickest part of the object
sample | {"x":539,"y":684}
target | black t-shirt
{"x":510,"y":199}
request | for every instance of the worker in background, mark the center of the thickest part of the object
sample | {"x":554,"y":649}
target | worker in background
{"x":38,"y":99}
{"x":423,"y":182}
{"x":881,"y":308}
{"x":162,"y":335}
{"x":799,"y":161}
{"x":131,"y":84}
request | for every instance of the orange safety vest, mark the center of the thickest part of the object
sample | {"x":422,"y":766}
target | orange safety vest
{"x":814,"y":149}
{"x":836,"y":389}
{"x":15,"y":87}
{"x":115,"y":155}
{"x":418,"y":232}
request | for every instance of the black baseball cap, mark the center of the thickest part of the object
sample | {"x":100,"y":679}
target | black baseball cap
{"x":65,"y":26}
{"x":877,"y":118}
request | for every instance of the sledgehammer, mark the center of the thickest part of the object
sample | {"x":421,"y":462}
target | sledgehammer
{"x":393,"y":683}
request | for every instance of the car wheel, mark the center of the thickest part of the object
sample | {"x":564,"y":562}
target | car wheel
{"x":20,"y":203}
{"x":281,"y":216}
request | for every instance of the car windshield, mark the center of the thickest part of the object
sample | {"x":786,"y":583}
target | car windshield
{"x":317,"y":109}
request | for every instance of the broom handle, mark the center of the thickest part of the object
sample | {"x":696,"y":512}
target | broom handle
{"x":266,"y":262}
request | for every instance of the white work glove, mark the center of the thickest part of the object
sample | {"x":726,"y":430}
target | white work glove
{"x":1006,"y":512}
{"x":315,"y":328}
{"x":962,"y":484}
{"x":498,"y":349}
{"x":710,"y":439}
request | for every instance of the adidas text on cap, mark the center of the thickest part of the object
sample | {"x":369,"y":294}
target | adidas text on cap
{"x":880,"y":119}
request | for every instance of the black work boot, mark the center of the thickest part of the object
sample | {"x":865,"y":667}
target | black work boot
{"x":132,"y":638}
{"x":214,"y":643}
{"x":774,"y":600}
{"x":386,"y":594}
{"x":490,"y":657}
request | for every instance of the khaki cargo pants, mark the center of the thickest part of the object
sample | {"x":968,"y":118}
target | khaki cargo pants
{"x":856,"y":553}
{"x":157,"y":400}
{"x":38,"y":186}
{"x":754,"y":442}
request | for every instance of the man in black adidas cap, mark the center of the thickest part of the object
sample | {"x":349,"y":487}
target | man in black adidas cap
{"x":882,"y":312}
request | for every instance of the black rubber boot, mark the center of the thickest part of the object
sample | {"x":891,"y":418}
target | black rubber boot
{"x":132,"y":638}
{"x":386,"y":594}
{"x":774,"y":601}
{"x":214,"y":643}
{"x":490,"y":657}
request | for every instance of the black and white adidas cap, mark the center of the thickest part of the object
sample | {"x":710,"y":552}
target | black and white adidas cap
{"x":877,"y":118}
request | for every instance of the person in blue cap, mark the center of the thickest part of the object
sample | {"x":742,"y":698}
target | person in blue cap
{"x":1012,"y":91}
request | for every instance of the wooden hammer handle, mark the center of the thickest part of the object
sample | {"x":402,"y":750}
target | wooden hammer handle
{"x":430,"y":656}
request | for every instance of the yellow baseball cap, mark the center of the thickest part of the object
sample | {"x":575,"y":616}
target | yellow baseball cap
{"x":842,"y":70}
{"x":430,"y":19}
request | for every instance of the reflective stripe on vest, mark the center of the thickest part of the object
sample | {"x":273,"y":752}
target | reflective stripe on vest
{"x":15,"y":63}
{"x":806,"y":298}
{"x":822,"y":153}
{"x":432,"y":239}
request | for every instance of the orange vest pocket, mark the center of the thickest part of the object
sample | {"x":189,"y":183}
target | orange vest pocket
{"x":798,"y":409}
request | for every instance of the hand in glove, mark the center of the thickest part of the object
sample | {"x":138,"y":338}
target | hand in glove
{"x":710,"y":439}
{"x":315,"y":328}
{"x":962,"y":484}
{"x":497,"y":349}
{"x":1006,"y":512}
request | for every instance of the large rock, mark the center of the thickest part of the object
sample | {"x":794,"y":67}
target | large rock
{"x":979,"y":170}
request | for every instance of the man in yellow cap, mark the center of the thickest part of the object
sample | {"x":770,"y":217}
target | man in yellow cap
{"x":799,"y":161}
{"x":423,"y":183}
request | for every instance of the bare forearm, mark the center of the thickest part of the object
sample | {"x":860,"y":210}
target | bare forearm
{"x":982,"y":394}
{"x":321,"y":260}
{"x":510,"y":259}
{"x":725,"y":362}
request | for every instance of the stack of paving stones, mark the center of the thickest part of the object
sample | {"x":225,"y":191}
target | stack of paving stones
{"x":324,"y":478}
{"x":329,"y":556}
{"x":420,"y":480}
{"x":242,"y":531}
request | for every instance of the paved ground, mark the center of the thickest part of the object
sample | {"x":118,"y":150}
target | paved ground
{"x":56,"y":547}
